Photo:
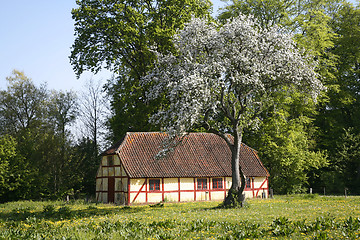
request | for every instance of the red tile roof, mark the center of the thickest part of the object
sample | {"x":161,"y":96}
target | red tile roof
{"x":197,"y":155}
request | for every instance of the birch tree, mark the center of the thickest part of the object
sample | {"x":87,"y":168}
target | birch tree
{"x":222,"y":77}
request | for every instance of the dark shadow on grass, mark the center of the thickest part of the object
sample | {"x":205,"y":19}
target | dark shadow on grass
{"x":65,"y":212}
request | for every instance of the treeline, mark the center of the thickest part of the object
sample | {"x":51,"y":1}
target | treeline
{"x":302,"y":144}
{"x":42,"y":154}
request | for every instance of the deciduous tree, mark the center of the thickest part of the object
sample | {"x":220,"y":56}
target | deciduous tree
{"x":35,"y":124}
{"x":22,"y":105}
{"x":347,"y":161}
{"x":120,"y":35}
{"x":222,"y":77}
{"x":312,"y":25}
{"x":62,"y":112}
{"x":94,"y":108}
{"x":286,"y":143}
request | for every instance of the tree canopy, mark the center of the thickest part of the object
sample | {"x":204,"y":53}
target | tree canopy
{"x":39,"y":157}
{"x":121,"y":36}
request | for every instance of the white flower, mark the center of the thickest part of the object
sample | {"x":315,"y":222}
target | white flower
{"x":225,"y":73}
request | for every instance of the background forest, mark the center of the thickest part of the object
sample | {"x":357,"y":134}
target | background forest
{"x":50,"y":140}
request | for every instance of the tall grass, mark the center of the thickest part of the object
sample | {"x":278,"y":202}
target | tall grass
{"x":294,"y":216}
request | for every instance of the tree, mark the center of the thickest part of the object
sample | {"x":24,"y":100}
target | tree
{"x":348,"y":160}
{"x":62,"y":112}
{"x":23,"y":109}
{"x":222,"y":77}
{"x":22,"y":106}
{"x":268,"y":12}
{"x":34,"y":127}
{"x":88,"y":161}
{"x":341,"y":110}
{"x":121,"y":36}
{"x":7,"y":154}
{"x":286,"y":146}
{"x":93,"y":108}
{"x":312,"y":23}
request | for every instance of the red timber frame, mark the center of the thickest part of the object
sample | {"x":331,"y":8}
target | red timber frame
{"x":145,"y":189}
{"x":262,"y":186}
{"x":115,"y":178}
{"x":256,"y":191}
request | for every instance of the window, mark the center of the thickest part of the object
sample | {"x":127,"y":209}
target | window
{"x":154,"y":184}
{"x":110,"y":160}
{"x":248,"y":183}
{"x":217,"y":183}
{"x":202,"y":183}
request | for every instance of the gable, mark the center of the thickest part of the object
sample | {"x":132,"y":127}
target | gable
{"x":197,"y":155}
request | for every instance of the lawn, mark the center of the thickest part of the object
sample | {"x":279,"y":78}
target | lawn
{"x":295,"y":216}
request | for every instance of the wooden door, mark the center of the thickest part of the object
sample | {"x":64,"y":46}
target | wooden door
{"x":111,"y":189}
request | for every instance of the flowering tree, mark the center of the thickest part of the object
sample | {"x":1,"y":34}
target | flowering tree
{"x":222,"y":77}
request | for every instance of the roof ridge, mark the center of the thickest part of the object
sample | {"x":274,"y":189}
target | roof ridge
{"x":124,"y":139}
{"x":163,"y":132}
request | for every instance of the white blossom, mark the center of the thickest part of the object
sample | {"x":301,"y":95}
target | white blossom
{"x":225,"y":73}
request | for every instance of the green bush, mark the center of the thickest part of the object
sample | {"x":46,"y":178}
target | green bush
{"x":48,"y":210}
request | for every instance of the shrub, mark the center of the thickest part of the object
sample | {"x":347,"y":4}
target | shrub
{"x":48,"y":210}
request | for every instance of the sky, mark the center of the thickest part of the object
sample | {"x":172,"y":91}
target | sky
{"x":36,"y":37}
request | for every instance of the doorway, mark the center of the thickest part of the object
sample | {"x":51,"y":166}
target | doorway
{"x":111,"y":189}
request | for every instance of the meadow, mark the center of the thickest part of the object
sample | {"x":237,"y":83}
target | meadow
{"x":284,"y":217}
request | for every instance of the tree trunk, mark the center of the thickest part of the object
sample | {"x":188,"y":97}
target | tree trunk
{"x":235,"y":197}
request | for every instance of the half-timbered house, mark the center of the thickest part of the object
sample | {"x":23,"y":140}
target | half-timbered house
{"x":197,"y":169}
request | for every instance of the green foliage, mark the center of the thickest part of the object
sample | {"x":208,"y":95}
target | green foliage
{"x":281,"y":226}
{"x":13,"y":172}
{"x":285,"y":142}
{"x":317,"y":38}
{"x":64,"y":212}
{"x":22,"y":105}
{"x":49,"y":210}
{"x":37,"y":158}
{"x":7,"y":152}
{"x":88,"y":161}
{"x":62,"y":110}
{"x":285,"y":148}
{"x":341,"y":109}
{"x":310,"y":196}
{"x":347,"y":160}
{"x":269,"y":12}
{"x":121,"y":36}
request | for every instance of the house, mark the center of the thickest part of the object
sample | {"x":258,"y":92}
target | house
{"x":198,"y":169}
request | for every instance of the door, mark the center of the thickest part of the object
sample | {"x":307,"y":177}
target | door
{"x":111,"y":189}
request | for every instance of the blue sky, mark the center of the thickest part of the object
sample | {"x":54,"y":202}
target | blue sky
{"x":35,"y":37}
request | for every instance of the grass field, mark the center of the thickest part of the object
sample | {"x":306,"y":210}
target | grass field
{"x":284,"y":217}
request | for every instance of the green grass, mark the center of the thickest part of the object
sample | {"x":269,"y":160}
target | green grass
{"x":284,"y":217}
